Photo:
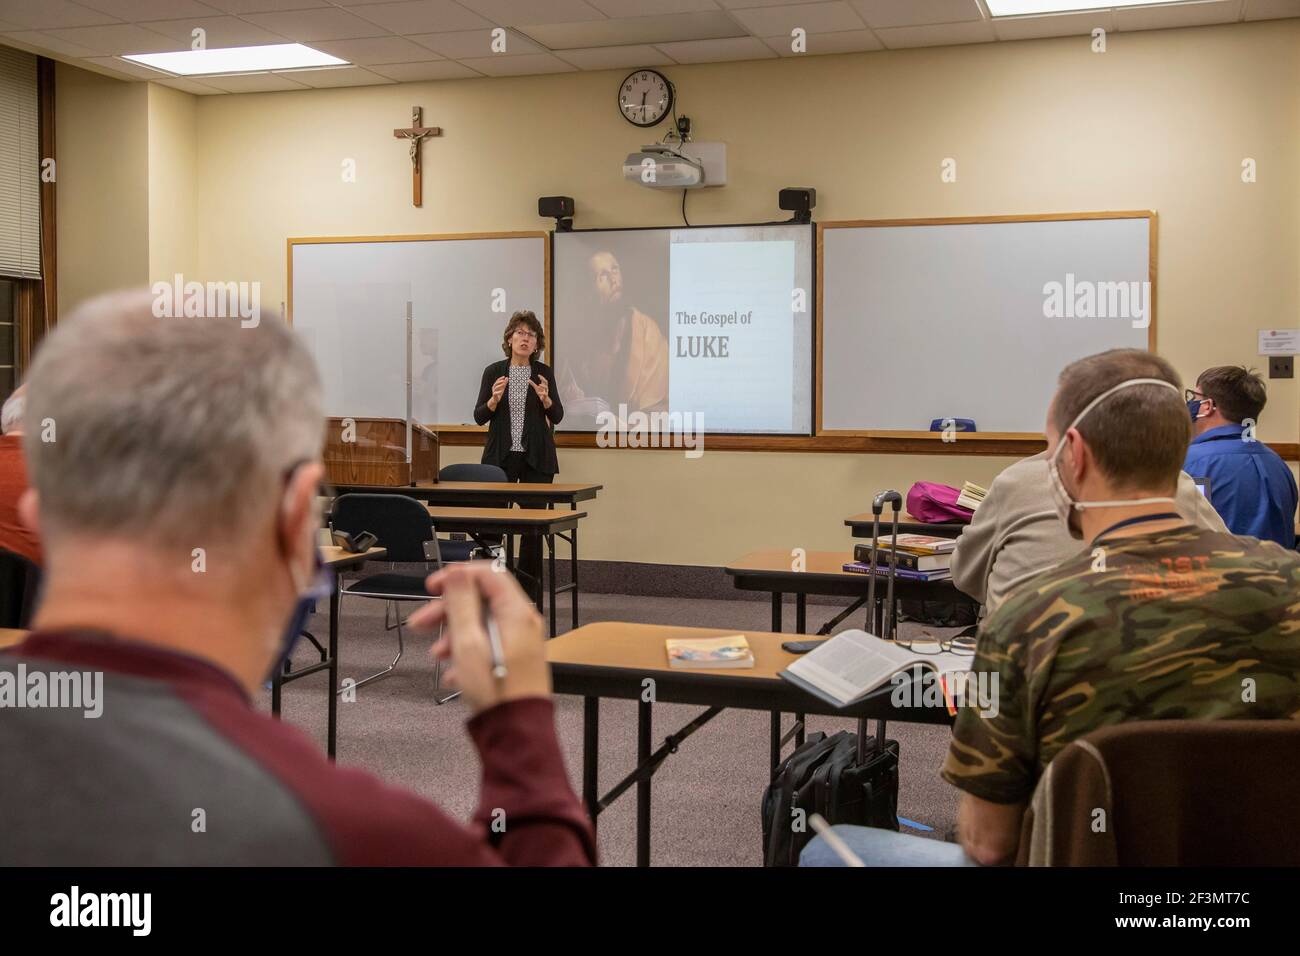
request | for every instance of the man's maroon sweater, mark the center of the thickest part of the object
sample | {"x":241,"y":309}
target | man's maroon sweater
{"x":179,"y":768}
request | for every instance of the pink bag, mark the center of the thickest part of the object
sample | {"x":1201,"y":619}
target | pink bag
{"x":933,"y":503}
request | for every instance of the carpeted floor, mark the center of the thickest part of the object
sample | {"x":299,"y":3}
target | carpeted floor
{"x":706,"y":797}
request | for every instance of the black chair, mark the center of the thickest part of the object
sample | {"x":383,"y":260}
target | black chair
{"x":20,"y":584}
{"x":405,"y":530}
{"x":464,"y":550}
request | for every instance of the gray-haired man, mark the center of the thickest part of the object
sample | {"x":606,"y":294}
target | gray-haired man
{"x":171,"y":439}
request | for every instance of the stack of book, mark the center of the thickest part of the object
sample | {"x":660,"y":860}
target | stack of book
{"x":971,"y":495}
{"x":921,"y":557}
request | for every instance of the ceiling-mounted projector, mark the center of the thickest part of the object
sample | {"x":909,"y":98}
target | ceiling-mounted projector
{"x":662,"y":167}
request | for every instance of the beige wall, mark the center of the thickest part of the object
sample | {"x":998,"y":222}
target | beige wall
{"x":101,"y":129}
{"x":173,"y":231}
{"x":1161,"y":121}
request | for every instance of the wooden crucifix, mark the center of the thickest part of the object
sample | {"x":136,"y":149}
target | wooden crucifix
{"x":416,"y":134}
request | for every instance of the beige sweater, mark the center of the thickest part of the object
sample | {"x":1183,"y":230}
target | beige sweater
{"x":1016,"y":534}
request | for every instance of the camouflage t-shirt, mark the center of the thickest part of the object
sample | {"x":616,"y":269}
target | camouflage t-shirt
{"x":1178,"y":624}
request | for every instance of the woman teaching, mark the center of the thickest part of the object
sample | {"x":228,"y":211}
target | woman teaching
{"x":519,"y":400}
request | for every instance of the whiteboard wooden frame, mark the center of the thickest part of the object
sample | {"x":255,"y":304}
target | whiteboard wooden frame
{"x":965,"y":437}
{"x":435,"y":237}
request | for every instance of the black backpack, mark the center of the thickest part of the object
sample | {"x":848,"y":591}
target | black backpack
{"x":827,"y":776}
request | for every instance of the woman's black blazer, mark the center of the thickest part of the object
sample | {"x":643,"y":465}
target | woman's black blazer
{"x":539,"y":442}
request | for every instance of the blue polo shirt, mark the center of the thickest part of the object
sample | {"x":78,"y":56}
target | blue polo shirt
{"x":1251,"y":487}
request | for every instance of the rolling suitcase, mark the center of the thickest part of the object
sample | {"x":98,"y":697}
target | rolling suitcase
{"x":848,"y":777}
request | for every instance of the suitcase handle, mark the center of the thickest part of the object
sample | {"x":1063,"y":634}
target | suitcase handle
{"x":889,"y":623}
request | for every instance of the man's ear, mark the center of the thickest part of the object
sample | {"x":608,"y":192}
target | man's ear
{"x":1080,"y":458}
{"x":29,"y":511}
{"x":299,"y":516}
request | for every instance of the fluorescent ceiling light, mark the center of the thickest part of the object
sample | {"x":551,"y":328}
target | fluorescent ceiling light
{"x":239,"y":59}
{"x":1019,"y":8}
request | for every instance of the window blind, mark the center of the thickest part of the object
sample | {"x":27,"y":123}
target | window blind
{"x":20,"y":167}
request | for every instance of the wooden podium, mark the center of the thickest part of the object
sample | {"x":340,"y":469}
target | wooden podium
{"x":376,"y":453}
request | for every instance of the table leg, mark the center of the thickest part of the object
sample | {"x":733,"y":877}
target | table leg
{"x":775,"y":742}
{"x":550,"y":575}
{"x":590,"y":754}
{"x":799,"y":734}
{"x":535,"y":585}
{"x":573,"y":573}
{"x":643,"y":786}
{"x":776,"y":611}
{"x":276,"y":683}
{"x":801,"y":613}
{"x":332,"y":723}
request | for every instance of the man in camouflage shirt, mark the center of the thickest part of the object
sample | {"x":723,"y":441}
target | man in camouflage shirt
{"x":1155,"y":620}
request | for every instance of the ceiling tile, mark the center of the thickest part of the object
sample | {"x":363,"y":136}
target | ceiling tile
{"x":126,"y":68}
{"x":374,"y":50}
{"x":221,"y":31}
{"x":119,"y":38}
{"x":810,"y":17}
{"x":307,"y":25}
{"x":513,"y":13}
{"x":191,"y":86}
{"x":1271,"y":9}
{"x":939,"y":34}
{"x":1177,"y":15}
{"x":847,"y":41}
{"x":527,"y":64}
{"x":53,"y":44}
{"x":336,"y":76}
{"x":48,"y":14}
{"x":422,"y":16}
{"x":672,"y":28}
{"x":742,"y":4}
{"x":640,"y":8}
{"x":1053,"y":25}
{"x":264,"y":6}
{"x":436,"y":70}
{"x":137,"y":11}
{"x":717,"y":51}
{"x":616,"y":57}
{"x":253,"y":83}
{"x":467,"y":43}
{"x":908,"y":13}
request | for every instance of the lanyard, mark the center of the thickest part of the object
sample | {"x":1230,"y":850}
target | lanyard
{"x":1140,"y":519}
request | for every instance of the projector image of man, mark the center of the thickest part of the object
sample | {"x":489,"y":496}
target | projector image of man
{"x":620,"y":356}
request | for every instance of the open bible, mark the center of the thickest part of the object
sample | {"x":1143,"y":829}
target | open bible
{"x":853,"y":663}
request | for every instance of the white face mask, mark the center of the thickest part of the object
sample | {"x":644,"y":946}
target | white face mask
{"x":1066,"y":507}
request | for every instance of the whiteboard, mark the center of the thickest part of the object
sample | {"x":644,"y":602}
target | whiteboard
{"x":974,"y":319}
{"x":348,"y":302}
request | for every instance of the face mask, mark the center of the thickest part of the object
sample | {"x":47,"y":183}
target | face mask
{"x":1066,"y":507}
{"x":318,"y":590}
{"x":1194,"y":407}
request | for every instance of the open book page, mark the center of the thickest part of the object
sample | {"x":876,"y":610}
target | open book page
{"x":853,"y":663}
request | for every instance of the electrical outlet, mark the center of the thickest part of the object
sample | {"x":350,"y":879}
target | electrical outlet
{"x":1281,"y":366}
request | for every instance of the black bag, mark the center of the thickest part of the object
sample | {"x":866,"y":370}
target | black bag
{"x":938,"y":613}
{"x":825,"y":776}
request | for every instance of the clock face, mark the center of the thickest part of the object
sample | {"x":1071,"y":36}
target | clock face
{"x":645,"y":97}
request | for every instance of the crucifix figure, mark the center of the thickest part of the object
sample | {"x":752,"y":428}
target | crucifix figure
{"x":416,"y":134}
